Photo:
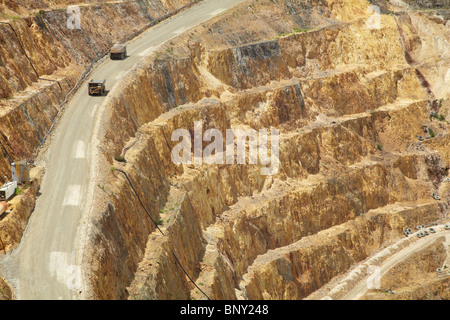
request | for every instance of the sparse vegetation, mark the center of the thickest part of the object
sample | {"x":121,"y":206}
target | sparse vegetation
{"x":120,"y":159}
{"x":431,"y":132}
{"x":295,"y":30}
{"x":10,"y":17}
{"x":300,"y":30}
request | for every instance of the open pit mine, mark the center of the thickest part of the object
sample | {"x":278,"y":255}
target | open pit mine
{"x":225,"y":150}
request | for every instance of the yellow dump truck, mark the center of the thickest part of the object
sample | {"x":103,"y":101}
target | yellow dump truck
{"x":97,"y":87}
{"x":118,"y":52}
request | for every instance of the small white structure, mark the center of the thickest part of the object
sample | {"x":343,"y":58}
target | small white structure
{"x":8,"y":190}
{"x":20,"y":172}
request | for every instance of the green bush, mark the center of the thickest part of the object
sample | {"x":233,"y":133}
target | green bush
{"x":120,"y":159}
{"x":300,"y":30}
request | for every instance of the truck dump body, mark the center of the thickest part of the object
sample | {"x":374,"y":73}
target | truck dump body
{"x":7,"y":190}
{"x":97,"y":88}
{"x":118,"y":51}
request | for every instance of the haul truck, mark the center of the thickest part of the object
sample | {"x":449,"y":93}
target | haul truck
{"x":118,"y":52}
{"x":97,"y":88}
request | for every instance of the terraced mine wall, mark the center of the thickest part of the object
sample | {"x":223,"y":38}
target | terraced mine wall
{"x":352,"y":176}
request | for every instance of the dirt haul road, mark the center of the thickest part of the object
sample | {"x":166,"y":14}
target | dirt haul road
{"x":43,"y":266}
{"x":362,"y":287}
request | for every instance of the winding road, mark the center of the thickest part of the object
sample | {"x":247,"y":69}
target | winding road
{"x":362,"y":287}
{"x":43,"y":266}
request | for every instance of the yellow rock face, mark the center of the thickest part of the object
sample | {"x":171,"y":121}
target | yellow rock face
{"x":350,"y":103}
